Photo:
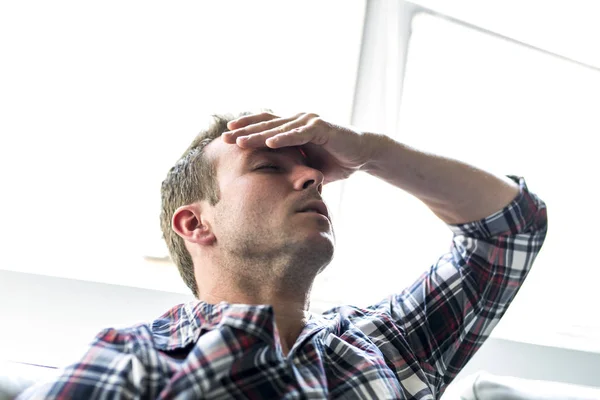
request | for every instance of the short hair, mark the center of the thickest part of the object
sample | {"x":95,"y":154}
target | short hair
{"x":193,"y":178}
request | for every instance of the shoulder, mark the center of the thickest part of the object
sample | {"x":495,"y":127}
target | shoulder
{"x":169,"y":330}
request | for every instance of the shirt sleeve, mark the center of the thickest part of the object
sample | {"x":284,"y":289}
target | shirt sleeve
{"x":109,"y":369}
{"x":450,"y":311}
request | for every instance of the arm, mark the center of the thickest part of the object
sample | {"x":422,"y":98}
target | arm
{"x":456,"y":192}
{"x":449,"y":312}
{"x":499,"y":228}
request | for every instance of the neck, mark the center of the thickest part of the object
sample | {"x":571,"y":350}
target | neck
{"x":279,"y":282}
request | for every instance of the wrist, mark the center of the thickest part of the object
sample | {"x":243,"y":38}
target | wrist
{"x":374,"y":145}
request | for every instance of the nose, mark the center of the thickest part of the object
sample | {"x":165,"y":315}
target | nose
{"x":308,"y":177}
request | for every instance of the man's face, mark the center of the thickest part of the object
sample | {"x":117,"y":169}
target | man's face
{"x":260,"y":216}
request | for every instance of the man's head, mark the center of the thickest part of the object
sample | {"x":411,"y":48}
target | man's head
{"x":244,"y":211}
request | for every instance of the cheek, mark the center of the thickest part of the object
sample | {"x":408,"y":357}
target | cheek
{"x":264,"y":208}
{"x":251,"y":200}
{"x":260,"y":205}
{"x":243,"y":204}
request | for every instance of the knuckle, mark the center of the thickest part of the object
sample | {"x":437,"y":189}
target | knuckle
{"x":317,"y":121}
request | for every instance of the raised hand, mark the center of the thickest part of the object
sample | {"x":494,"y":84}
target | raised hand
{"x":335,"y":150}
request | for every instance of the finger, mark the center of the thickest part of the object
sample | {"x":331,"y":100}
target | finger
{"x":249,"y":120}
{"x":260,"y":139}
{"x":232,"y":136}
{"x":259,"y":125}
{"x":296,"y":137}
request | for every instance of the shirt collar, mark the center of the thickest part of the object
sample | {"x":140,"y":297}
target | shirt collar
{"x":183,"y":324}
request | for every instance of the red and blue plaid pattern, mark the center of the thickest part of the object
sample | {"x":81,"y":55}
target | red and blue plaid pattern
{"x":408,"y":346}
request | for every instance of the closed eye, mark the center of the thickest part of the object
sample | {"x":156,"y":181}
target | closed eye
{"x":268,"y":166}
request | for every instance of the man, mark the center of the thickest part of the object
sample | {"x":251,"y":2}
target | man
{"x":244,"y":221}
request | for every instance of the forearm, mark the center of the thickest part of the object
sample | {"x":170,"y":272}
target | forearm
{"x":455,"y":191}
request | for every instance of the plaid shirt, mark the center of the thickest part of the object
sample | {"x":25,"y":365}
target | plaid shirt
{"x":408,"y":346}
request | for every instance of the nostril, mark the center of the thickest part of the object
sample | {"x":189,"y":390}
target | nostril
{"x":308,"y":183}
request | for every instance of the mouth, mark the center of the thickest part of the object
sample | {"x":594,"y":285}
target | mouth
{"x":316,"y":207}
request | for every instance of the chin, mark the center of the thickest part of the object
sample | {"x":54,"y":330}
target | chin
{"x":319,"y":250}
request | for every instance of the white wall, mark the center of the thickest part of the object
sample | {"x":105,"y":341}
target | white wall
{"x":48,"y":320}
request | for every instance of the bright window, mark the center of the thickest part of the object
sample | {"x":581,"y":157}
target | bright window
{"x":514,"y":110}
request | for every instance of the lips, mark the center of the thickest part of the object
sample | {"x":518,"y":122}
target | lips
{"x":315,"y":206}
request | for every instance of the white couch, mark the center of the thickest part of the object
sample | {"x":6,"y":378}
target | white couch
{"x":16,"y":377}
{"x":485,"y":386}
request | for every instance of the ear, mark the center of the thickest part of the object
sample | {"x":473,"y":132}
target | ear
{"x":188,"y":222}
